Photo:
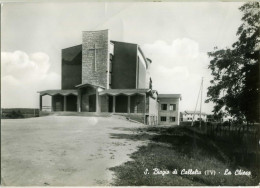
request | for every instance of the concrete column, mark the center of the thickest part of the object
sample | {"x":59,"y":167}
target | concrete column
{"x":145,"y":109}
{"x":114,"y":104}
{"x":40,"y":103}
{"x":65,"y":103}
{"x":97,"y":102}
{"x":145,"y":104}
{"x":52,"y":103}
{"x":79,"y":101}
{"x":128,"y":104}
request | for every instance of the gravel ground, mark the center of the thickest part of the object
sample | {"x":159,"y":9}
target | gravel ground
{"x":64,"y":150}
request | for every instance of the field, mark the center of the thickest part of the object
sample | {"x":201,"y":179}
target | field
{"x":87,"y":151}
{"x":63,"y":150}
{"x":182,"y":148}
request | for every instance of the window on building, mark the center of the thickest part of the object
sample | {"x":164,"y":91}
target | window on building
{"x":163,"y":118}
{"x":172,"y":107}
{"x":163,"y":106}
{"x":110,"y":77}
{"x":110,"y":66}
{"x":172,"y":119}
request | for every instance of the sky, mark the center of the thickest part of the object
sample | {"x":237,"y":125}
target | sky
{"x":175,"y":36}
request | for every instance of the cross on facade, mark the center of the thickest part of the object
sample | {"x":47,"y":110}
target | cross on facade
{"x":95,"y":53}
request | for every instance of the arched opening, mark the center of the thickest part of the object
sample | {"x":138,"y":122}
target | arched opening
{"x":88,"y":99}
{"x":121,"y":104}
{"x":57,"y":102}
{"x":110,"y":103}
{"x":71,"y":103}
{"x":46,"y":103}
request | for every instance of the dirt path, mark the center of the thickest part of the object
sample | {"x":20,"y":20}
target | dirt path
{"x":63,"y":150}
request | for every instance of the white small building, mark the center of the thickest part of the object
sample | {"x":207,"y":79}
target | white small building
{"x":188,"y":115}
{"x":169,"y":109}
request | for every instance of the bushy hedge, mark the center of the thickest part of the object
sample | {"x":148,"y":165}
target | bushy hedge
{"x":14,"y":114}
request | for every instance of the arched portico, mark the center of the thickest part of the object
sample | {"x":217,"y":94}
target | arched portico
{"x":61,"y":100}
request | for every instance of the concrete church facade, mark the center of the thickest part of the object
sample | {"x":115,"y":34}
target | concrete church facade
{"x":105,"y":76}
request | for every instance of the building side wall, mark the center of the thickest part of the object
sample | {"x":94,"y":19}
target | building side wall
{"x":153,"y":106}
{"x":141,"y":72}
{"x":137,"y":104}
{"x":167,"y":113}
{"x":153,"y":111}
{"x":95,"y":67}
{"x":124,"y":66}
{"x":71,"y":67}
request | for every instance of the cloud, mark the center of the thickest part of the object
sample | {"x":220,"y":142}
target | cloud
{"x":178,"y":68}
{"x":22,"y":75}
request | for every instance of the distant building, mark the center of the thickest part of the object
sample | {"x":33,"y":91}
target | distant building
{"x":106,"y":76}
{"x":227,"y":118}
{"x":188,"y":115}
{"x":210,"y":118}
{"x":169,"y":109}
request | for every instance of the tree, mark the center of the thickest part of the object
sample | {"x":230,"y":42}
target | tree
{"x":235,"y":86}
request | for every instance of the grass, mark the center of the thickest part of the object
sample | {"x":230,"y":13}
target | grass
{"x":179,"y":148}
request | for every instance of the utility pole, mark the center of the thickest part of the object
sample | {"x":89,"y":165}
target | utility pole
{"x":200,"y":93}
{"x":201,"y":100}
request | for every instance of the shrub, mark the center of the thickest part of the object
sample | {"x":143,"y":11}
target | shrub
{"x":15,"y":114}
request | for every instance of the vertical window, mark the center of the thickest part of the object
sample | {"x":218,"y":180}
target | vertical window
{"x":163,"y":118}
{"x":172,"y":107}
{"x":110,"y":66}
{"x":163,"y":106}
{"x":172,"y":119}
{"x":110,"y":78}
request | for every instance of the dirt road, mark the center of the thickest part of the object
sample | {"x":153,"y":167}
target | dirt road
{"x":63,"y":150}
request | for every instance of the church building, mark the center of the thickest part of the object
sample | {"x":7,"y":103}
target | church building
{"x":106,"y":76}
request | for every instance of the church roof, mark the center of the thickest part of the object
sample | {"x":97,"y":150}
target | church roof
{"x":59,"y":91}
{"x":88,"y":84}
{"x":176,"y":96}
{"x":192,"y":112}
{"x":123,"y":91}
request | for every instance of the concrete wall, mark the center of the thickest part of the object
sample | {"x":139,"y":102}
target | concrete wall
{"x":153,"y":111}
{"x":124,"y":66}
{"x":141,"y":71}
{"x":71,"y":67}
{"x":95,"y":67}
{"x":167,"y":113}
{"x":137,"y":104}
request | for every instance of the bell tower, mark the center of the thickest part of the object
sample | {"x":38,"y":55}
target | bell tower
{"x":95,"y":57}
